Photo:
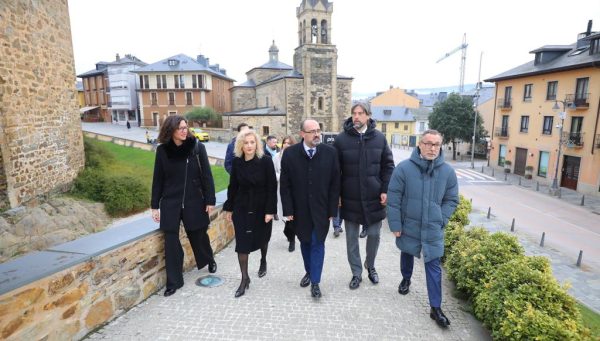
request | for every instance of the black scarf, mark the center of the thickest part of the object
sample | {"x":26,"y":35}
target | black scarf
{"x":180,"y":152}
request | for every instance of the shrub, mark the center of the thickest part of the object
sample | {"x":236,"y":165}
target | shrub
{"x":96,"y":155}
{"x":453,"y":232}
{"x":461,"y":214}
{"x":462,"y":252}
{"x":124,"y":195}
{"x":521,"y":300}
{"x":89,"y":184}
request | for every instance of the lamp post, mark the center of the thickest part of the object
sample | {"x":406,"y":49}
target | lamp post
{"x":477,"y":88}
{"x":562,"y":115}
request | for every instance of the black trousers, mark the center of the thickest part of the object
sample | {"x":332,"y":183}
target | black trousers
{"x":203,"y":254}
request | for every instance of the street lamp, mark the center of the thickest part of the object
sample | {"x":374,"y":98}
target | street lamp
{"x":562,"y":115}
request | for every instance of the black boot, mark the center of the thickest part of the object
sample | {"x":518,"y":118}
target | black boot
{"x":262,"y":270}
{"x":438,"y":315}
{"x":292,"y":246}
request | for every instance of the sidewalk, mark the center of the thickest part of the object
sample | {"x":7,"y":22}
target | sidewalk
{"x":275,"y":307}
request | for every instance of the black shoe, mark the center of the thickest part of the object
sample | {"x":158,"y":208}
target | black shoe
{"x":244,"y":284}
{"x":212,"y":267}
{"x":403,"y":287}
{"x":373,"y":276}
{"x":169,"y":292}
{"x":363,"y":233}
{"x":355,"y":282}
{"x":305,"y":281}
{"x":315,"y":291}
{"x":262,"y":270}
{"x":438,"y":315}
{"x":292,"y":246}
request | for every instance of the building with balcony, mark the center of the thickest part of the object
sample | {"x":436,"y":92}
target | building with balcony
{"x":96,"y":97}
{"x":557,"y":92}
{"x":178,"y":84}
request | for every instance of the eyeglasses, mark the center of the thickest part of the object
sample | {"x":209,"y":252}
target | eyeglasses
{"x":431,"y":145}
{"x":182,"y":129}
{"x":316,"y":131}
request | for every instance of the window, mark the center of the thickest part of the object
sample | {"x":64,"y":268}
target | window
{"x":502,"y":155}
{"x":172,"y":62}
{"x":524,"y":124}
{"x":595,"y":47}
{"x":164,"y":81}
{"x":405,"y":127}
{"x":387,"y":112}
{"x":581,"y":90}
{"x":171,"y":98}
{"x":543,"y":164}
{"x":507,"y":96}
{"x":161,"y":81}
{"x":153,"y":98}
{"x":527,"y":92}
{"x":421,"y":127}
{"x":320,"y":103}
{"x":383,"y":128}
{"x":198,"y":81}
{"x":158,"y":82}
{"x":551,"y":92}
{"x":194,"y":82}
{"x":181,"y":82}
{"x":547,"y":128}
{"x":397,"y":125}
{"x":141,"y":82}
{"x":188,"y":98}
{"x":265,"y":130}
{"x":146,"y":82}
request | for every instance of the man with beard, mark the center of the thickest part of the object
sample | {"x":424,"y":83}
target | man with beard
{"x":310,"y":188}
{"x":366,"y":163}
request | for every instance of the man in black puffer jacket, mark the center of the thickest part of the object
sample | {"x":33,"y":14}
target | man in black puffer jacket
{"x":366,"y":164}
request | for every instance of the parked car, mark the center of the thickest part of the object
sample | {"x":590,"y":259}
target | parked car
{"x":200,"y":134}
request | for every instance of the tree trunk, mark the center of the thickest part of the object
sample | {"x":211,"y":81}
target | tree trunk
{"x":453,"y":150}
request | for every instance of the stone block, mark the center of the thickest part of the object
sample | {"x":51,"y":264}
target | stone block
{"x":99,"y":313}
{"x":127,"y":297}
{"x":69,"y":312}
{"x":102,"y":274}
{"x":21,"y":300}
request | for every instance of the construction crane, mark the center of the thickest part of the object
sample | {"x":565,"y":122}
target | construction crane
{"x":463,"y":60}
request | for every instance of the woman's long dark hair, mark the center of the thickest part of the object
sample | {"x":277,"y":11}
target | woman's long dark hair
{"x":168,"y":127}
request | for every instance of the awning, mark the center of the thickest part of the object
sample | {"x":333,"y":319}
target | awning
{"x":84,"y":109}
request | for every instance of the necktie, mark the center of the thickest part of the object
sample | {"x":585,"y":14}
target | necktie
{"x":311,"y":152}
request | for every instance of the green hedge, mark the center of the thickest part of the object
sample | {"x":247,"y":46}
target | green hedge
{"x":515,"y":295}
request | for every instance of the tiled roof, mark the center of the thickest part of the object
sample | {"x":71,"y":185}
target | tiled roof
{"x":181,"y":63}
{"x":397,"y":114}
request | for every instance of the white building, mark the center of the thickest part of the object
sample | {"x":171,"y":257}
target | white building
{"x":122,"y":89}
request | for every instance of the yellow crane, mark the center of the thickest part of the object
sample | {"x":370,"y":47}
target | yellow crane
{"x":463,"y":60}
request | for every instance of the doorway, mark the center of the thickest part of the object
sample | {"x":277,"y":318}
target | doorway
{"x":570,"y":172}
{"x":520,"y":161}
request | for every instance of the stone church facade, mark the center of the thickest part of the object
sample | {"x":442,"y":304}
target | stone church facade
{"x":276,"y":97}
{"x":41,"y":144}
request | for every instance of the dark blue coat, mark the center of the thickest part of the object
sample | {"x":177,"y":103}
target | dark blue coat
{"x":366,"y":163}
{"x":422,"y":196}
{"x":310,"y":189}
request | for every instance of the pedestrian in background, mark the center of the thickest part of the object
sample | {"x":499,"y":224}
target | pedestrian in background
{"x":288,"y":229}
{"x":128,"y":125}
{"x":229,"y":154}
{"x":366,"y":164}
{"x":271,"y":148}
{"x":251,"y":202}
{"x":310,"y":188}
{"x":422,"y":195}
{"x":182,"y":190}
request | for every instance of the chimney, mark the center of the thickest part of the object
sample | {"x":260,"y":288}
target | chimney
{"x":118,"y":57}
{"x":589,"y":28}
{"x":201,"y":59}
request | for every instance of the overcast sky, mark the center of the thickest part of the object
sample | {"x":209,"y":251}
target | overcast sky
{"x":380,"y":42}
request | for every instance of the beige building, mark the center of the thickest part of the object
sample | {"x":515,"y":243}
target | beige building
{"x":546,"y":119}
{"x":178,"y":84}
{"x":276,"y":97}
{"x":395,"y":97}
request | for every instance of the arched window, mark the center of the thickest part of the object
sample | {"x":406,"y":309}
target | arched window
{"x":300,"y":33}
{"x":314,"y":32}
{"x":320,"y":103}
{"x":304,"y":32}
{"x":324,"y":38}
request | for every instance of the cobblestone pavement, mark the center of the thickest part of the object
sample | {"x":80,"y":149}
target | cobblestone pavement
{"x":276,"y":307}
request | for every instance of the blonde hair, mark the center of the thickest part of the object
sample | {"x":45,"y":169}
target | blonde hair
{"x":238,"y":150}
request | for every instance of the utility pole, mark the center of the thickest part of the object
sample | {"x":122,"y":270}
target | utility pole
{"x":477,"y":88}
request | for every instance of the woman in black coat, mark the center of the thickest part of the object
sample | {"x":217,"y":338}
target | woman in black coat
{"x":251,"y":202}
{"x":182,"y":190}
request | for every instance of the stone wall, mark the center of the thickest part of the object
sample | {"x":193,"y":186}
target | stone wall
{"x":3,"y":185}
{"x":41,"y":140}
{"x":243,"y":98}
{"x":73,"y":302}
{"x":276,"y":124}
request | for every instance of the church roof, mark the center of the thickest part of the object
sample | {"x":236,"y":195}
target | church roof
{"x":247,"y":84}
{"x":266,"y":111}
{"x":290,"y":74}
{"x":274,"y":65}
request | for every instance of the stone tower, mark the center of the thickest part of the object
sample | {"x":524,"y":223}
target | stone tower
{"x":327,"y":96}
{"x":41,"y":145}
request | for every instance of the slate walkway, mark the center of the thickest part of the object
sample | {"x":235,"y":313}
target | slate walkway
{"x":275,"y":307}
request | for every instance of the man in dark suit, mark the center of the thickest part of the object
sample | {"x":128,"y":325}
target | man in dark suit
{"x":310,"y":188}
{"x":229,"y":155}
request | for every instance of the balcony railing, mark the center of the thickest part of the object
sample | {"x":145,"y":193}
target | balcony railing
{"x":502,"y":132}
{"x":579,"y":100}
{"x":505,"y":103}
{"x":598,"y":141}
{"x":573,"y":140}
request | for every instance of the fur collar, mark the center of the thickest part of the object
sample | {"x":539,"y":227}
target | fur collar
{"x":180,"y":152}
